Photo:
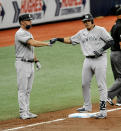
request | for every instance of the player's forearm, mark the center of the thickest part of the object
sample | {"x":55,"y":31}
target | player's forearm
{"x":108,"y":44}
{"x":35,"y":58}
{"x":67,"y":40}
{"x":36,"y":43}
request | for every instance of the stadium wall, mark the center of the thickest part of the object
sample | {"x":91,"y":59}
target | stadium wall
{"x":42,"y":11}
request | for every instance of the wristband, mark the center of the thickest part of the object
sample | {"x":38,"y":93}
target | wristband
{"x":60,"y":39}
{"x":36,"y":61}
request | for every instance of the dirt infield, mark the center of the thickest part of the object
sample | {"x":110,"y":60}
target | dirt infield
{"x":45,"y":32}
{"x":61,"y":29}
{"x":112,"y":123}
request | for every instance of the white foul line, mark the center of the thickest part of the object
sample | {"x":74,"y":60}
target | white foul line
{"x":48,"y":122}
{"x":116,"y":109}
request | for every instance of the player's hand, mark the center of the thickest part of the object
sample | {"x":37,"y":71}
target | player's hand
{"x":98,"y":53}
{"x":53,"y":40}
{"x":38,"y":65}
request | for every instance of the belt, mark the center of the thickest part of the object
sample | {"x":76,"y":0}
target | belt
{"x":25,"y":60}
{"x":91,"y":57}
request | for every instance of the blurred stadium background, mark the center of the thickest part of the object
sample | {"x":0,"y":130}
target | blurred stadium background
{"x":44,"y":11}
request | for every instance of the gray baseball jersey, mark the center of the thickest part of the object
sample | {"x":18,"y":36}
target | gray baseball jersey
{"x":23,"y":50}
{"x":90,"y":41}
{"x":25,"y":70}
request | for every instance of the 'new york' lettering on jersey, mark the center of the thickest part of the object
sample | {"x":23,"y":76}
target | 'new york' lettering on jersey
{"x":91,"y":40}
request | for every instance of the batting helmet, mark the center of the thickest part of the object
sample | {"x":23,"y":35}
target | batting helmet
{"x":87,"y":17}
{"x":25,"y":17}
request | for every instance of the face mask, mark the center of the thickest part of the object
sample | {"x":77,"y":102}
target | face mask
{"x":28,"y":27}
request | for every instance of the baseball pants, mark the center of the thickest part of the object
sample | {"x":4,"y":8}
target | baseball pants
{"x":98,"y":67}
{"x":25,"y":77}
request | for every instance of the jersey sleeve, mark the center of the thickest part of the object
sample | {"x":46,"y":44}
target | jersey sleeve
{"x":23,"y":37}
{"x":75,"y":39}
{"x":105,"y":35}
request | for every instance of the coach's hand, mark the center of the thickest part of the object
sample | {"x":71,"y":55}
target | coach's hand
{"x":38,"y":65}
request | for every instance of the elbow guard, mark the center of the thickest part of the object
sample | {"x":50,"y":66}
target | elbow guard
{"x":108,"y":44}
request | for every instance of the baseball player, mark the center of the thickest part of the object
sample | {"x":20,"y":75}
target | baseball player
{"x":115,"y":89}
{"x":94,"y":41}
{"x":25,"y":59}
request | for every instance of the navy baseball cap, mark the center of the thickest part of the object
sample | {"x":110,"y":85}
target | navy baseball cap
{"x":25,"y":17}
{"x":118,"y":11}
{"x":87,"y":17}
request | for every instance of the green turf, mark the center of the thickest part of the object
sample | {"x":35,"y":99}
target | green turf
{"x":56,"y":86}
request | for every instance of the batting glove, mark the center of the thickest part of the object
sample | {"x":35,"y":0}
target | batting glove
{"x":53,"y":40}
{"x":38,"y":65}
{"x":98,"y":53}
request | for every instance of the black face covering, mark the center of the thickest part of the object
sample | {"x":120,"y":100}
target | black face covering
{"x":28,"y":27}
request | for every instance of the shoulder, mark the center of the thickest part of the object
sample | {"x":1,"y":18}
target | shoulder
{"x":118,"y":25}
{"x":83,"y":30}
{"x":99,"y":27}
{"x":22,"y":32}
